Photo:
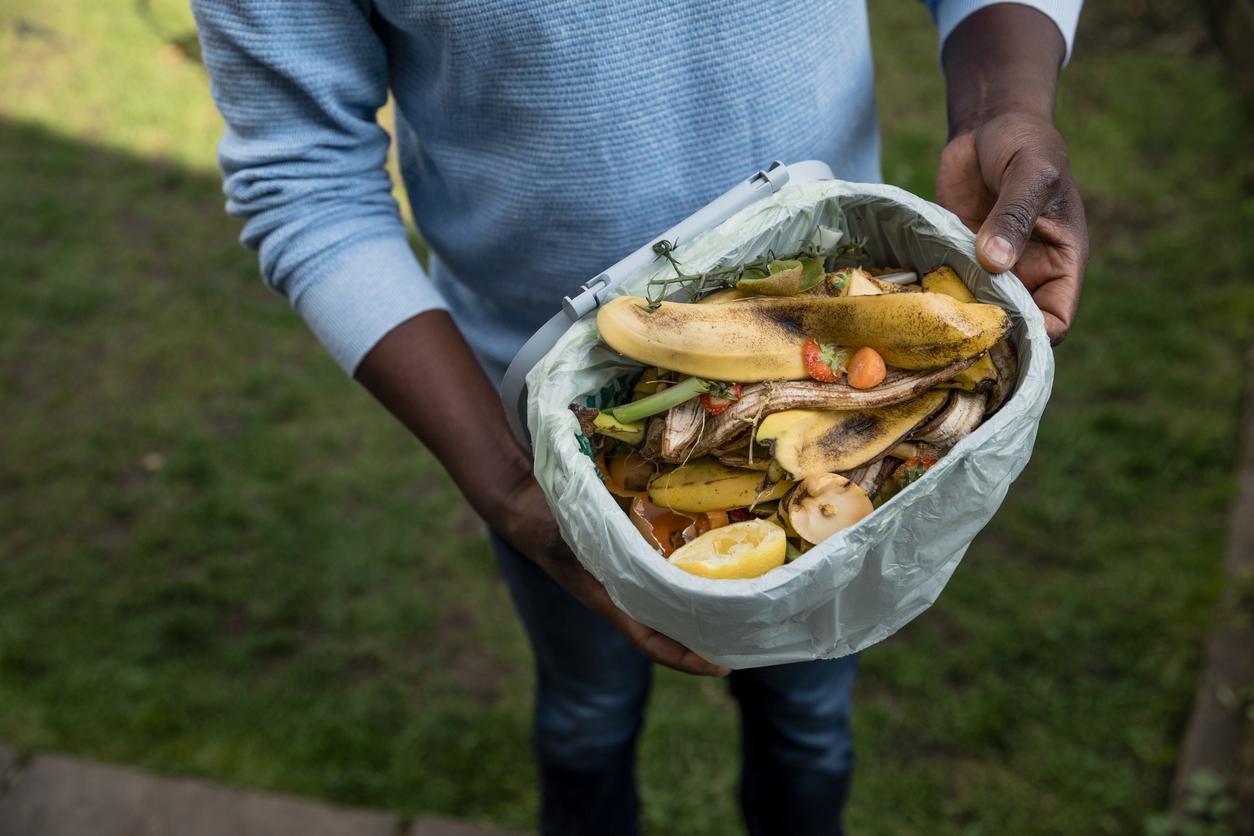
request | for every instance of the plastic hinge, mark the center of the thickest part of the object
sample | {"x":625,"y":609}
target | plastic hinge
{"x":775,"y":176}
{"x":587,"y":299}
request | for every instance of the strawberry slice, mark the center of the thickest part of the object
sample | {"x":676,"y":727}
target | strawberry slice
{"x":825,"y":362}
{"x":723,"y":397}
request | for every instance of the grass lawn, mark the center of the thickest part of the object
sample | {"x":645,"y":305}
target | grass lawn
{"x":221,"y":559}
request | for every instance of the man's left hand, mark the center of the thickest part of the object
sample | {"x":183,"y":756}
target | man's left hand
{"x":1008,"y":179}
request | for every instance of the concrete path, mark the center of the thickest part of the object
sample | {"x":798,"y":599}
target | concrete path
{"x":59,"y":796}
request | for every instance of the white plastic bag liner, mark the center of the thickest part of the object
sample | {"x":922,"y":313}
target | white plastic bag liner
{"x":867,"y":581}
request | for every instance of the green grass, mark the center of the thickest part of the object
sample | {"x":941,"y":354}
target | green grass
{"x":221,"y":559}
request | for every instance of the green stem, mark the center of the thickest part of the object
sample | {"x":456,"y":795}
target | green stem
{"x":681,"y":392}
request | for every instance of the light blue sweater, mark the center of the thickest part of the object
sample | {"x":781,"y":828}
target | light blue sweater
{"x":540,"y":140}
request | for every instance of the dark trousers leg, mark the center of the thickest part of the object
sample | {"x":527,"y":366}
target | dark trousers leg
{"x":590,"y":696}
{"x":797,"y":750}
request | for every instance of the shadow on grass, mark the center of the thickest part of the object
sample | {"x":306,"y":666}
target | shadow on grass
{"x":220,"y":557}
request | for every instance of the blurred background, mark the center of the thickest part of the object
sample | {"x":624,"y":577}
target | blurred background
{"x":221,"y":559}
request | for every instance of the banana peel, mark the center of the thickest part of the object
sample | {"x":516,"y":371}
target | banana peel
{"x":720,"y":297}
{"x":993,"y":374}
{"x":628,"y":432}
{"x":687,"y":434}
{"x":708,"y":485}
{"x":944,"y":280}
{"x":651,"y":382}
{"x":741,"y":459}
{"x":870,"y":477}
{"x":961,"y":416}
{"x":594,"y":421}
{"x":979,"y":377}
{"x":761,"y":338}
{"x":1006,"y":360}
{"x":809,"y":441}
{"x":916,"y":450}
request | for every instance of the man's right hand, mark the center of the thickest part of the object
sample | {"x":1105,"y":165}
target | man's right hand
{"x":529,"y":527}
{"x":425,"y":374}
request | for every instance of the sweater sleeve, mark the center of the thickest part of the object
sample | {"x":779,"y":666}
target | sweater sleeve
{"x":949,"y":13}
{"x":303,"y":162}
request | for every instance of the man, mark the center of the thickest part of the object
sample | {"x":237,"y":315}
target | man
{"x":540,"y":142}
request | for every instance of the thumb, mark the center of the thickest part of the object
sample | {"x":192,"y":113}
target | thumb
{"x":1026,"y":189}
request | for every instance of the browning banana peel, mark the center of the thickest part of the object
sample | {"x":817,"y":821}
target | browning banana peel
{"x":809,"y":441}
{"x":708,"y":485}
{"x":761,"y":338}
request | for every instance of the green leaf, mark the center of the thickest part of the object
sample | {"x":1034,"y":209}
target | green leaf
{"x":784,"y":280}
{"x":840,"y":281}
{"x":909,"y":475}
{"x":812,"y":272}
{"x":836,"y":358}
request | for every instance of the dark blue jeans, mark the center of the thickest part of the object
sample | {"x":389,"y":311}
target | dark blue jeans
{"x":592,"y":687}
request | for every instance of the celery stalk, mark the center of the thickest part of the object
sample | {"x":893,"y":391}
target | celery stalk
{"x":661,"y":401}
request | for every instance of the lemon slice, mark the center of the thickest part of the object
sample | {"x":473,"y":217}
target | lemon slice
{"x":740,"y":550}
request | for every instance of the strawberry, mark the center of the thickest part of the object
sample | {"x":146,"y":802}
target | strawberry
{"x":838,"y":281}
{"x":912,"y":469}
{"x":718,"y":401}
{"x":824,"y":361}
{"x":906,"y":473}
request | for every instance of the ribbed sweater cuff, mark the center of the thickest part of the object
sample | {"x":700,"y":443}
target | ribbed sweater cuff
{"x":1064,"y":13}
{"x":367,"y":291}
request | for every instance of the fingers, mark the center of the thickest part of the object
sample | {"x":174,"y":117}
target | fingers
{"x":658,"y":648}
{"x":1029,"y":185}
{"x":1055,"y":327}
{"x":960,"y":186}
{"x":1053,"y":262}
{"x":1057,"y":301}
{"x":666,"y":651}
